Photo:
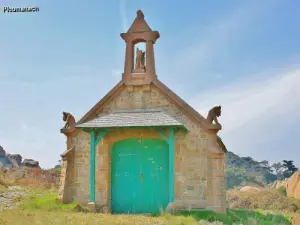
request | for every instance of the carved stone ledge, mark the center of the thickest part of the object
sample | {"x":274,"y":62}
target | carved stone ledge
{"x":216,"y":127}
{"x":67,"y":153}
{"x":67,"y":131}
{"x":130,"y":88}
{"x":138,"y":71}
{"x":147,"y":88}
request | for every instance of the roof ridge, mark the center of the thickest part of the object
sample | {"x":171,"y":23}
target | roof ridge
{"x":136,"y":110}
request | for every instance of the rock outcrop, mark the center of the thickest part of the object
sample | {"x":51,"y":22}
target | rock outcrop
{"x":15,"y":160}
{"x":5,"y":163}
{"x":31,"y":163}
{"x":249,"y":189}
{"x":278,"y":184}
{"x":293,"y":185}
{"x":2,"y":152}
{"x":4,"y":160}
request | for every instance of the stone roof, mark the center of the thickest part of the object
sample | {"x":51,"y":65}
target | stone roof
{"x":132,"y":118}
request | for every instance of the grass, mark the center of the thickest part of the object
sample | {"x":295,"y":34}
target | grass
{"x":46,"y":218}
{"x":4,"y":183}
{"x":282,"y":190}
{"x":46,"y":203}
{"x":266,"y":199}
{"x":43,"y":205}
{"x":243,"y":216}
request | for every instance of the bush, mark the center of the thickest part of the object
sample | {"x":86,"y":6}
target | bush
{"x":40,"y":178}
{"x":32,"y":177}
{"x":240,"y":216}
{"x":80,"y":208}
{"x":282,"y":190}
{"x":296,"y":204}
{"x":5,"y":181}
{"x":2,"y":181}
{"x":266,"y":199}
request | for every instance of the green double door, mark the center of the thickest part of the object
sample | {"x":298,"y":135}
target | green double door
{"x":139,"y":175}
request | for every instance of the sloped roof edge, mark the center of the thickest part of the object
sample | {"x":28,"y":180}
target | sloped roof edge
{"x":162,"y":87}
{"x":221,"y":144}
{"x":133,"y":118}
{"x":92,"y":113}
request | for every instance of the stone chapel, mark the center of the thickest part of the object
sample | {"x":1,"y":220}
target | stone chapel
{"x":142,"y":148}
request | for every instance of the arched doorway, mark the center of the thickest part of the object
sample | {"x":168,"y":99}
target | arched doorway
{"x":140,"y":177}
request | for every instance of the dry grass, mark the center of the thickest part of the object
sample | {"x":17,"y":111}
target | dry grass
{"x":31,"y":177}
{"x":4,"y":180}
{"x":45,"y":209}
{"x":46,"y":218}
{"x":266,"y":199}
{"x":40,"y":178}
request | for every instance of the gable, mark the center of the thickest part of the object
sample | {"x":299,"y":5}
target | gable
{"x":119,"y":98}
{"x":180,"y":103}
{"x":93,"y":112}
{"x":127,"y":100}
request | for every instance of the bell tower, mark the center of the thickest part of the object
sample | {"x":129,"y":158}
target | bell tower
{"x":139,"y":66}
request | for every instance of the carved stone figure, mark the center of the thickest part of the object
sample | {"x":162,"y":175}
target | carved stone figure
{"x":213,"y":114}
{"x":140,"y":14}
{"x":140,"y":60}
{"x":69,"y":119}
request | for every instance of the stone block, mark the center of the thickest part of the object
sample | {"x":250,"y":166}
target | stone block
{"x":177,"y":165}
{"x":206,"y":192}
{"x":101,"y":185}
{"x":91,"y":206}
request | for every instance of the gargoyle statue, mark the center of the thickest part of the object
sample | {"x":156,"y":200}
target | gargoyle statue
{"x":69,"y":119}
{"x":140,"y":59}
{"x":213,"y":114}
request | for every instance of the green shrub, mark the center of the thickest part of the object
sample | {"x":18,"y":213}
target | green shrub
{"x":48,"y":202}
{"x":238,"y":216}
{"x":296,"y":204}
{"x":282,"y":190}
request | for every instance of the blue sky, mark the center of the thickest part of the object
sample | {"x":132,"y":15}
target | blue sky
{"x":243,"y":55}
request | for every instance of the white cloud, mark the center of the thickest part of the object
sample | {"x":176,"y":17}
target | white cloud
{"x":260,"y":114}
{"x":253,"y":98}
{"x":256,"y":112}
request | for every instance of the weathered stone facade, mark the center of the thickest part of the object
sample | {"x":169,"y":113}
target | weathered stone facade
{"x":199,"y":176}
{"x":199,"y":168}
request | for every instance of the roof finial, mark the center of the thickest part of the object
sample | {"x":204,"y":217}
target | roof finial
{"x":140,"y":14}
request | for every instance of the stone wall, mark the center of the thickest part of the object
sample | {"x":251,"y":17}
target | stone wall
{"x":81,"y":175}
{"x":199,"y":178}
{"x":65,"y":192}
